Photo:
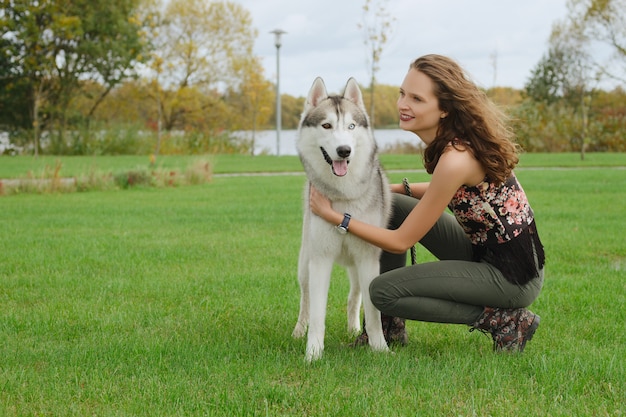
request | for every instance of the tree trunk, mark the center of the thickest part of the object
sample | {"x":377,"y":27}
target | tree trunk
{"x":35,"y":117}
{"x":372,"y":104}
{"x":583,"y":110}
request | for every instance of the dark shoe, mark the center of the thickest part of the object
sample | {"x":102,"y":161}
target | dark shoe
{"x":509,"y":328}
{"x":394,"y":330}
{"x":361,"y":340}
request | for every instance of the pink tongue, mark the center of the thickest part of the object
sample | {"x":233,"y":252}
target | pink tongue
{"x":340,"y":168}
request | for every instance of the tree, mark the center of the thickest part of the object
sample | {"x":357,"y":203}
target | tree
{"x":111,"y":43}
{"x":51,"y":46}
{"x":252,"y":100}
{"x":201,"y":45}
{"x":29,"y":54}
{"x":602,"y":21}
{"x":565,"y":76}
{"x":377,"y":27}
{"x":14,"y":103}
{"x":564,"y":85}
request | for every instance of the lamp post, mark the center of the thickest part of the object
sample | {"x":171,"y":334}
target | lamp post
{"x":277,"y":41}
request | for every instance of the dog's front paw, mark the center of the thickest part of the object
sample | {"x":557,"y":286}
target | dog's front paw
{"x":299,"y":331}
{"x":383,"y":349}
{"x":314,"y":348}
{"x":378,"y":344}
{"x":354,"y":328}
{"x":313,"y":354}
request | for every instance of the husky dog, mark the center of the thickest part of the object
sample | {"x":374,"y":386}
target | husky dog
{"x":339,"y":155}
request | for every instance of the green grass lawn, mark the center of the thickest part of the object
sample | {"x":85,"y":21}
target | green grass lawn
{"x":181,"y":302}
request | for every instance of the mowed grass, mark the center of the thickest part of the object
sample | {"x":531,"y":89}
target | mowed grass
{"x":181,"y":302}
{"x":75,"y":166}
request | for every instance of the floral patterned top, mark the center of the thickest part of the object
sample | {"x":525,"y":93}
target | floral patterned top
{"x":490,"y":213}
{"x":500,"y":224}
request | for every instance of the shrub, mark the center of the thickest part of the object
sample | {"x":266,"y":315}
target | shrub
{"x":50,"y":179}
{"x":138,"y":176}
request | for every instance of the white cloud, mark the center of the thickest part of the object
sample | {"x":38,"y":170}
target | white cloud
{"x":323,"y":38}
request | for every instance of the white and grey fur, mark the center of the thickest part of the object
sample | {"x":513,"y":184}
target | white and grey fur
{"x":334,"y":131}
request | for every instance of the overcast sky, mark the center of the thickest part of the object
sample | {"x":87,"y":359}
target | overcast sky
{"x":323,"y":39}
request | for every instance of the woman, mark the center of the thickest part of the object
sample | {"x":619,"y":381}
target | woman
{"x":490,"y":256}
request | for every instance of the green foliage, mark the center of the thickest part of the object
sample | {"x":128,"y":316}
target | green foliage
{"x":555,"y":127}
{"x":116,"y":140}
{"x":54,"y":47}
{"x":15,"y":102}
{"x":185,"y":298}
{"x":136,"y":177}
{"x":386,"y":97}
{"x":546,"y":82}
{"x":199,"y":143}
{"x":291,"y":112}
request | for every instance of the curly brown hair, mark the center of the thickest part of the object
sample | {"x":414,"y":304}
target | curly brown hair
{"x":472,"y":118}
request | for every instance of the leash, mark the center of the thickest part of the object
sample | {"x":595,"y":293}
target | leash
{"x":407,"y":191}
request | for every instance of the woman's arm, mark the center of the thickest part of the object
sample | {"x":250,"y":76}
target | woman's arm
{"x":454,"y":169}
{"x":417,"y":189}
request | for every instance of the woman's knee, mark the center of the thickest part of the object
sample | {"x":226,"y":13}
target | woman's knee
{"x":378,"y":292}
{"x":529,"y":294}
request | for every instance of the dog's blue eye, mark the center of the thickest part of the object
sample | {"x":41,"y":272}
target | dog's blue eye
{"x":352,"y":126}
{"x":326,"y":126}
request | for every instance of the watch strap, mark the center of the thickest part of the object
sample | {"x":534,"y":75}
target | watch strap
{"x":346,"y":221}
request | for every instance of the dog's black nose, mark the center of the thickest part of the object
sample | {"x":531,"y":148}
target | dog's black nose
{"x":343,"y":151}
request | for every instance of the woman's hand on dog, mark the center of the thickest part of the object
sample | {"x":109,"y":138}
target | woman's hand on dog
{"x":321,"y":206}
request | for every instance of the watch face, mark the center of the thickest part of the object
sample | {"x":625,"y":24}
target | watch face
{"x":342,"y":230}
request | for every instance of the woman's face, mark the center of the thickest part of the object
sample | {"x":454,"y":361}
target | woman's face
{"x":418,"y":106}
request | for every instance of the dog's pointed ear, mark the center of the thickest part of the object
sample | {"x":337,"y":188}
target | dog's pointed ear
{"x":353,"y":93}
{"x":317,"y":93}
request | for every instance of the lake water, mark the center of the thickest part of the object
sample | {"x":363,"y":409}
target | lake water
{"x":265,"y":140}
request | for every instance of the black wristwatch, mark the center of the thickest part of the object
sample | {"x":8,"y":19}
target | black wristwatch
{"x":343,"y":227}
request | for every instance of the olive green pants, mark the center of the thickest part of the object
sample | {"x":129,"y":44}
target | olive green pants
{"x":453,"y":289}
